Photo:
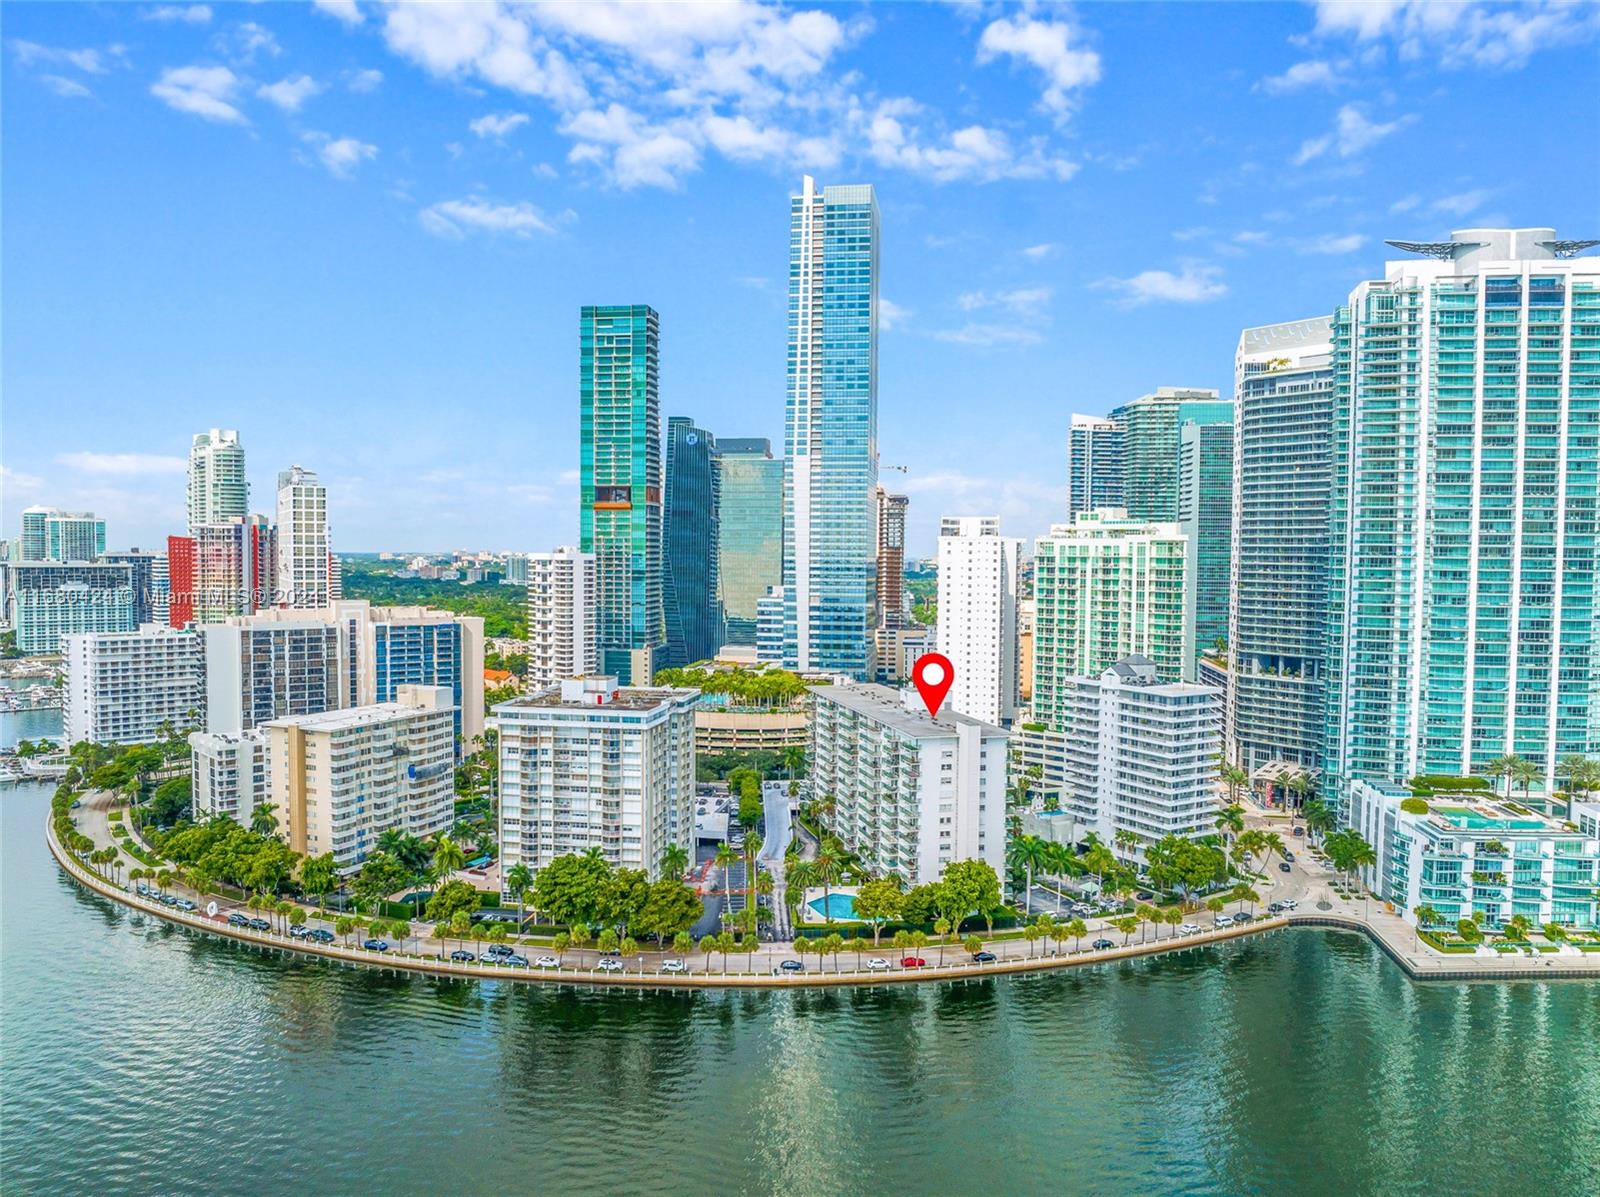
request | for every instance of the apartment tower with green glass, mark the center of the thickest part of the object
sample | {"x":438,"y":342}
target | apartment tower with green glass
{"x":620,"y":470}
{"x":1151,"y":428}
{"x":1205,"y":514}
{"x":1465,"y":464}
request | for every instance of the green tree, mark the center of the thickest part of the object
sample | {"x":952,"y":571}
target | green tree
{"x":880,"y":902}
{"x":1229,"y":821}
{"x":672,"y":909}
{"x":451,"y":897}
{"x":1077,"y":929}
{"x":568,"y":888}
{"x":1128,"y":924}
{"x":262,"y":819}
{"x":519,"y":880}
{"x":447,"y":858}
{"x":674,"y":861}
{"x":682,"y":943}
{"x":1028,"y":852}
{"x":1426,"y":915}
{"x":978,"y":885}
{"x":318,"y":877}
{"x":342,"y":927}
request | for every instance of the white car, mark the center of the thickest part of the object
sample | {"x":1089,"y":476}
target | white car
{"x":877,"y":964}
{"x":1289,"y":903}
{"x":547,"y":962}
{"x":1189,"y":929}
{"x":1223,"y":920}
{"x":610,"y":965}
{"x":673,"y":966}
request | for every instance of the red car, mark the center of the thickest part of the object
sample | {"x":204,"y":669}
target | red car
{"x":912,"y":962}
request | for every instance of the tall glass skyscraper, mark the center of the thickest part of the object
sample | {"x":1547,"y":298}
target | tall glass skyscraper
{"x":831,"y":430}
{"x":750,"y":527}
{"x":1094,"y":464}
{"x":1205,"y":513}
{"x":51,"y":535}
{"x":218,"y":489}
{"x":1150,"y":427}
{"x":689,"y":594}
{"x":619,"y":517}
{"x":1277,"y":616}
{"x":1465,"y":468}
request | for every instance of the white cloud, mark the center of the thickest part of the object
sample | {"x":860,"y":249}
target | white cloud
{"x":1020,"y":501}
{"x":890,"y":314}
{"x":629,"y":149}
{"x":342,"y":155}
{"x":1314,"y":73}
{"x":1195,"y":283}
{"x":16,"y":484}
{"x":29,"y":53}
{"x":1330,"y":243}
{"x":1041,"y":251}
{"x":497,"y":125}
{"x":1405,"y":204}
{"x":342,"y":10}
{"x":1020,"y":299}
{"x":1352,"y":133}
{"x":455,"y":218}
{"x":1461,"y":203}
{"x":973,"y":153}
{"x":488,"y":41}
{"x":1047,"y":45}
{"x":185,"y":14}
{"x":122,"y":464}
{"x":290,"y":92}
{"x":203,"y":91}
{"x":1482,"y":33}
{"x":244,"y":41}
{"x":63,"y":86}
{"x":364,"y":81}
{"x":988,"y":336}
{"x":1252,"y":237}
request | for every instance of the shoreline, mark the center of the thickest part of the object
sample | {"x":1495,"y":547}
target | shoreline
{"x":432,"y":966}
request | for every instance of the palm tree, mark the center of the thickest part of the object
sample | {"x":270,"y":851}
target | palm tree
{"x":1230,"y":822}
{"x":1099,"y":861}
{"x":1300,"y":786}
{"x":1270,"y":844}
{"x":1426,"y":915}
{"x":447,"y":858}
{"x":825,"y":868}
{"x":262,"y":819}
{"x":1077,"y":928}
{"x":1127,"y":842}
{"x":1319,"y":817}
{"x":674,"y":860}
{"x":1503,"y":766}
{"x":1028,"y":852}
{"x":1172,"y":916}
{"x":1525,"y":773}
{"x":941,"y":928}
{"x":1234,"y":778}
{"x":1242,"y":894}
{"x":1146,"y":914}
{"x":520,"y":878}
{"x":724,"y":859}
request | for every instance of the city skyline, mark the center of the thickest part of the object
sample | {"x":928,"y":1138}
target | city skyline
{"x":991,"y":287}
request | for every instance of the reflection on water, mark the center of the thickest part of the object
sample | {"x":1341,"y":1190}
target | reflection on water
{"x":138,"y":1058}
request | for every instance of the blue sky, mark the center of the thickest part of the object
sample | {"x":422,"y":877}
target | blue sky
{"x":360,"y":233}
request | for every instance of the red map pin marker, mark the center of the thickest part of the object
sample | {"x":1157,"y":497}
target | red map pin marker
{"x":933,"y":676}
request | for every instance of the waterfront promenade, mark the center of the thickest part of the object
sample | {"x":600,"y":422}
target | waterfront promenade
{"x":759,"y":969}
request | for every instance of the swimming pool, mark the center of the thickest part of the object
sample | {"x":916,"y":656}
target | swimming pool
{"x":1463,"y":817}
{"x":837,"y":906}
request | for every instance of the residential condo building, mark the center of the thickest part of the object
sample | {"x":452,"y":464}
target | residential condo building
{"x":218,"y":488}
{"x":620,"y":471}
{"x":227,"y":774}
{"x":1094,"y":464}
{"x":1205,"y":516}
{"x":1151,"y":428}
{"x":978,"y":616}
{"x":750,"y":531}
{"x":1466,"y":416}
{"x":52,"y":535}
{"x":561,"y":604}
{"x":1278,"y":605}
{"x":269,"y":666}
{"x":303,"y":553}
{"x":594,"y":765}
{"x":133,"y":687}
{"x":909,"y":794}
{"x":46,"y":601}
{"x":831,"y":431}
{"x":693,"y":610}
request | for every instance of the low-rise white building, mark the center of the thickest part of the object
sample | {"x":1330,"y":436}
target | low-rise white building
{"x":593,"y":765}
{"x":341,"y":778}
{"x":1464,"y":853}
{"x":1136,"y":754}
{"x":909,"y":794}
{"x":228,"y":774}
{"x":131,"y":687}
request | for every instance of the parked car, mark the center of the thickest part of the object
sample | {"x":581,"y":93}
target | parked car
{"x":1290,"y":903}
{"x":1223,"y":920}
{"x":1144,"y":895}
{"x":1189,"y":929}
{"x":877,"y":964}
{"x":376,"y":945}
{"x":462,"y":956}
{"x":237,"y":920}
{"x":260,"y":924}
{"x":610,"y":964}
{"x":1287,"y":855}
{"x":984,"y":957}
{"x":547,"y":962}
{"x":673,"y":966}
{"x":912,"y":962}
{"x":1101,"y":945}
{"x":791,"y":966}
{"x":299,"y":932}
{"x":321,"y":935}
{"x":1082,"y":909}
{"x":1300,"y":831}
{"x":515,"y":961}
{"x":499,"y":949}
{"x":1242,"y":917}
{"x":1283,"y":867}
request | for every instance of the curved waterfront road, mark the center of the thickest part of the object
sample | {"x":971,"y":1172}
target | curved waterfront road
{"x":758,"y":968}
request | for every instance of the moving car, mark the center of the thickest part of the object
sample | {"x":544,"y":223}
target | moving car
{"x":499,"y":949}
{"x":610,"y":965}
{"x":1288,"y":855}
{"x":376,"y":945}
{"x":1289,"y":903}
{"x":547,"y":962}
{"x":1275,"y":908}
{"x":1101,"y":945}
{"x":984,"y":957}
{"x":791,"y":966}
{"x":877,"y":964}
{"x":1283,"y":867}
{"x":673,"y":966}
{"x":912,"y":962}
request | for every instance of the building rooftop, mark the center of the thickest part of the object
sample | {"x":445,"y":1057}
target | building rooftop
{"x":627,"y":698}
{"x":354,"y":717}
{"x":1468,"y":814}
{"x":885,"y":705}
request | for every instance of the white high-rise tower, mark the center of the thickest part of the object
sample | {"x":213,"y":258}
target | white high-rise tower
{"x":218,"y":490}
{"x":303,"y":551}
{"x":978,"y":615}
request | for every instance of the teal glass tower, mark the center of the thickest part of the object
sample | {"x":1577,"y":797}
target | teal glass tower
{"x":831,"y":430}
{"x":1205,"y":514}
{"x":750,"y":531}
{"x":1150,"y":433}
{"x":1465,"y":465}
{"x":619,"y":516}
{"x":693,"y":612}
